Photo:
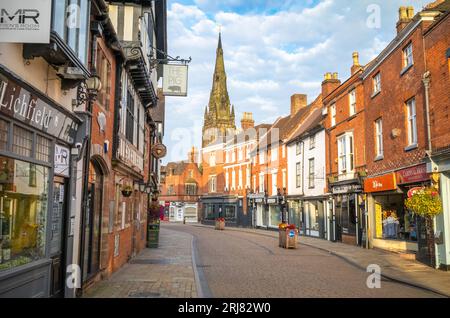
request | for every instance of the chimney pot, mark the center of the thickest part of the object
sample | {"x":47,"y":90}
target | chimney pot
{"x":355,"y":58}
{"x":405,"y":14}
{"x":335,"y":75}
{"x":410,"y":12}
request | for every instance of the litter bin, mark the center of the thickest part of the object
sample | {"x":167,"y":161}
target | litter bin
{"x":152,"y":235}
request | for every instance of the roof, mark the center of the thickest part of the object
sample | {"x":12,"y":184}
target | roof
{"x":438,"y":5}
{"x":287,"y":125}
{"x":244,"y":135}
{"x":177,"y":167}
{"x":311,"y":122}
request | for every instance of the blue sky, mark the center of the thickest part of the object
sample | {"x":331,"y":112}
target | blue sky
{"x":272,"y":49}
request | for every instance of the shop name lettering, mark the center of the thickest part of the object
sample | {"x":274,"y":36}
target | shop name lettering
{"x":377,"y":184}
{"x":24,"y":17}
{"x":25,"y":108}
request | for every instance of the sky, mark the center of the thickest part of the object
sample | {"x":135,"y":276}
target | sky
{"x":272,"y":50}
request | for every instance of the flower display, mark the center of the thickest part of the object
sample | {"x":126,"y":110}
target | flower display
{"x":425,"y":202}
{"x":220,"y":219}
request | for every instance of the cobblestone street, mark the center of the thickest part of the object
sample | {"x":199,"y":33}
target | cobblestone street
{"x":239,"y":264}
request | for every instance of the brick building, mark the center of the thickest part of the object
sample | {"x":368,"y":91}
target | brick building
{"x":180,"y":191}
{"x":437,"y":81}
{"x":345,"y":151}
{"x":397,"y":137}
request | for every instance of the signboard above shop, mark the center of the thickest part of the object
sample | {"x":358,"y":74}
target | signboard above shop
{"x":381,"y":183}
{"x":25,"y":21}
{"x":175,"y":79}
{"x":413,"y":175}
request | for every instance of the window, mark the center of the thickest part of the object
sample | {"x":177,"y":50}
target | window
{"x":412,"y":122}
{"x":247,"y":177}
{"x":408,"y":56}
{"x":170,"y":190}
{"x":129,"y":133}
{"x":227,"y":180}
{"x":311,"y":173}
{"x":190,"y":188}
{"x":212,"y":159}
{"x":240,"y":178}
{"x":262,"y":156}
{"x":298,"y":175}
{"x":23,"y":196}
{"x":333,"y":115}
{"x":376,"y":83}
{"x":379,"y":137}
{"x":240,"y":154}
{"x":4,"y":129}
{"x":274,"y":183}
{"x":23,"y":142}
{"x":352,"y":102}
{"x":345,"y":153}
{"x":212,"y":184}
{"x":274,"y":154}
{"x":233,"y":179}
{"x":191,"y":173}
{"x":70,"y":20}
{"x":298,"y":148}
{"x":227,"y":157}
{"x":230,"y":212}
{"x":254,"y":184}
{"x":233,"y":155}
{"x":261,"y":183}
{"x":312,"y":142}
{"x":284,"y":178}
{"x":104,"y":72}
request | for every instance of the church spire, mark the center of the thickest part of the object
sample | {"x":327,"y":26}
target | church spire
{"x":219,"y":107}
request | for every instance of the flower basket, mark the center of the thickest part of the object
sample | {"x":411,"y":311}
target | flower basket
{"x":220,"y":224}
{"x":282,"y":235}
{"x":127,"y":191}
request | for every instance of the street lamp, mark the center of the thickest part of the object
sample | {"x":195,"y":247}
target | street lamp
{"x":282,"y":203}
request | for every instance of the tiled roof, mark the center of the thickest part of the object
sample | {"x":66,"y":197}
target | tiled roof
{"x":314,"y":120}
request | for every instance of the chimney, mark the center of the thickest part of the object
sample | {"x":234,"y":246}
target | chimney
{"x":405,"y":15}
{"x":356,"y":66}
{"x":298,"y":101}
{"x":247,"y":121}
{"x":192,"y":155}
{"x":330,"y":83}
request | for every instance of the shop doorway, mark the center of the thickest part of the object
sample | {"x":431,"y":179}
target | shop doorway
{"x":92,"y":222}
{"x":58,"y":235}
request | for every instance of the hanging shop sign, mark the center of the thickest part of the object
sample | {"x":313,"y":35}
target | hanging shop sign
{"x":413,"y":174}
{"x":346,"y":188}
{"x":381,"y":183}
{"x":175,"y":79}
{"x":62,"y":161}
{"x":24,"y":21}
{"x":159,"y":151}
{"x":22,"y":104}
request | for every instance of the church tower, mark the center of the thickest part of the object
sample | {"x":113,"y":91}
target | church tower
{"x":219,"y":114}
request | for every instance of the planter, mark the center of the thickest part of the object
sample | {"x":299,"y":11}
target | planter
{"x":220,"y":225}
{"x":291,"y":238}
{"x":126,"y":193}
{"x":153,"y":235}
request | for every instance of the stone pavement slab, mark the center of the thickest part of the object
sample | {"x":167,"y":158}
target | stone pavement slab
{"x":392,"y":265}
{"x":166,"y":271}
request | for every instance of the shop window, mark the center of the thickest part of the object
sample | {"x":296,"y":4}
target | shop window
{"x":4,"y":128}
{"x":24,"y":212}
{"x":230,"y":212}
{"x":209,"y":212}
{"x":313,"y":210}
{"x":275,"y":215}
{"x":23,"y":142}
{"x":43,"y":146}
{"x":392,"y":220}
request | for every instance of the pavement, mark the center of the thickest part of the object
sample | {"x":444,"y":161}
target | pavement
{"x":393,"y":266}
{"x":164,"y":272}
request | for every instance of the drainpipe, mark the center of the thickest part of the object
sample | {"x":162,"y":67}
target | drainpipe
{"x":426,"y":83}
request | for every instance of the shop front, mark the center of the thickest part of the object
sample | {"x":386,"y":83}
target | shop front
{"x":227,"y":207}
{"x":274,"y":213}
{"x":347,"y":221}
{"x":394,"y":227}
{"x":295,"y":214}
{"x":36,"y":222}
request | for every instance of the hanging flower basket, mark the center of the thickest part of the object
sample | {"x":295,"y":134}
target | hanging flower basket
{"x":127,"y":191}
{"x":425,"y":202}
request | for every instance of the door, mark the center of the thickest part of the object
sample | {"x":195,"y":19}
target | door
{"x":338,"y":218}
{"x":92,"y":224}
{"x":57,"y":238}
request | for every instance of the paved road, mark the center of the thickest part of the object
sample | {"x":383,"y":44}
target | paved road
{"x":239,"y":264}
